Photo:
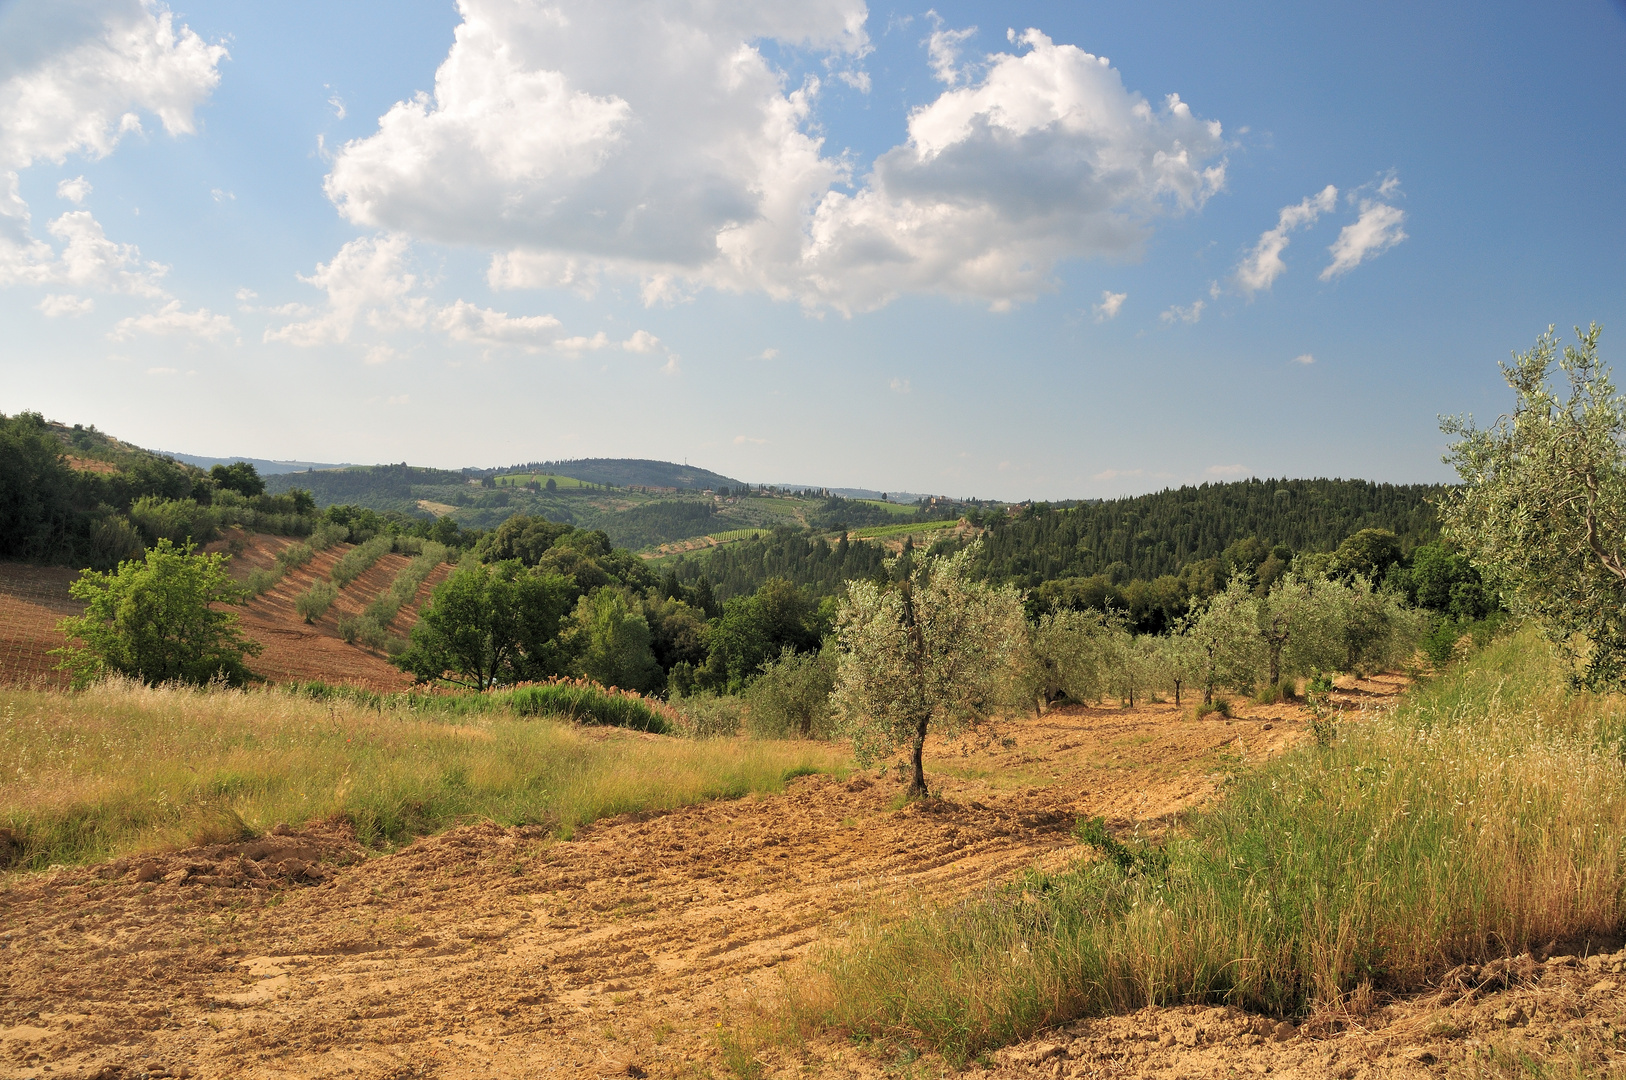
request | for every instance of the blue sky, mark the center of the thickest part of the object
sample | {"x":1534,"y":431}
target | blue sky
{"x":895,"y":247}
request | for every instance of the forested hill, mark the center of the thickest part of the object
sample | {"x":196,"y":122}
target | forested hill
{"x":1148,"y":536}
{"x":377,"y":487}
{"x":635,"y":472}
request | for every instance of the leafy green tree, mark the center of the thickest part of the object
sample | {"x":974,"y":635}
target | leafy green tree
{"x":1542,"y":507}
{"x":521,"y":537}
{"x":240,"y":476}
{"x":36,"y":489}
{"x":756,"y":629}
{"x":677,"y":632}
{"x":610,"y":639}
{"x":1180,"y":662}
{"x":1068,"y":652}
{"x":1368,"y":553}
{"x":487,"y":624}
{"x":155,"y":619}
{"x":1444,"y":581}
{"x":176,"y":520}
{"x":930,"y":650}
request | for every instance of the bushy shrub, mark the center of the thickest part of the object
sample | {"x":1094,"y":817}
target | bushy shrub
{"x":262,"y":581}
{"x":709,"y":716}
{"x":112,"y":540}
{"x":585,"y":702}
{"x":158,"y":619}
{"x":175,"y":520}
{"x":1217,"y":707}
{"x":791,"y":698}
{"x":1275,"y":693}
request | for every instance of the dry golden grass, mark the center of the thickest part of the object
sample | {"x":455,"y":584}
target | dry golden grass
{"x":1485,"y":815}
{"x":122,"y":767}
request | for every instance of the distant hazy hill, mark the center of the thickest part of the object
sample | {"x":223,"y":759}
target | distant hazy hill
{"x":265,"y":466}
{"x":379,"y":487}
{"x":635,"y":472}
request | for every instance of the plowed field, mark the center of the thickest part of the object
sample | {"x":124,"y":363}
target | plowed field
{"x":33,"y":598}
{"x":510,"y":953}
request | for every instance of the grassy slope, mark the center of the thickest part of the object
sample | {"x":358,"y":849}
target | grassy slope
{"x":123,"y":768}
{"x":1486,"y":814}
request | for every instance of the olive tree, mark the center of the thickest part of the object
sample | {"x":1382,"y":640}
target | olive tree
{"x":931,"y":649}
{"x":1180,"y":661}
{"x":1542,"y":507}
{"x":1225,"y":636}
{"x":1066,"y":652}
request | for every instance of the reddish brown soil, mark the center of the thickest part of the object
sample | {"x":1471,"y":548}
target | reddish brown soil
{"x":500,"y":952}
{"x":33,"y":598}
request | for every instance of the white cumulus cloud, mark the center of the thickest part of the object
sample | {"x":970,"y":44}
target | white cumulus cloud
{"x":1264,"y":264}
{"x":642,"y":341}
{"x":74,"y":190}
{"x":75,"y":78}
{"x":1111,"y":303}
{"x":170,"y":320}
{"x":368,"y":282}
{"x":1377,"y":230}
{"x":660,"y":143}
{"x":55,"y":306}
{"x":943,"y":51}
{"x":1304,"y":358}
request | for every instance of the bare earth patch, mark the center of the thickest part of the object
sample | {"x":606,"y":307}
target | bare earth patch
{"x":506,"y":952}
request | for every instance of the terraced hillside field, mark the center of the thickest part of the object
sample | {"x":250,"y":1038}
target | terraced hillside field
{"x":34,"y":598}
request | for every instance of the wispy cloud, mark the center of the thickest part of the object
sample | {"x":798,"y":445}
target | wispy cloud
{"x":1377,"y":230}
{"x":1264,"y":263}
{"x":1111,"y":303}
{"x":1304,"y":358}
{"x":1189,"y":314}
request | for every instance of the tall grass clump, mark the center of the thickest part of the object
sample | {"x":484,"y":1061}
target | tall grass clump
{"x":1483,"y":816}
{"x":582,"y":701}
{"x":122,"y":768}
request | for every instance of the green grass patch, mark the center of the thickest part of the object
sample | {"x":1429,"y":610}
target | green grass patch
{"x":1485,"y":815}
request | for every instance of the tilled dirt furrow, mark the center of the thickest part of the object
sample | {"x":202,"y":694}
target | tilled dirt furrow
{"x":505,"y":952}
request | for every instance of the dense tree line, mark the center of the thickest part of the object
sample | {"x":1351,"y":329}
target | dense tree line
{"x":659,"y":522}
{"x":797,"y":556}
{"x":1151,"y":536}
